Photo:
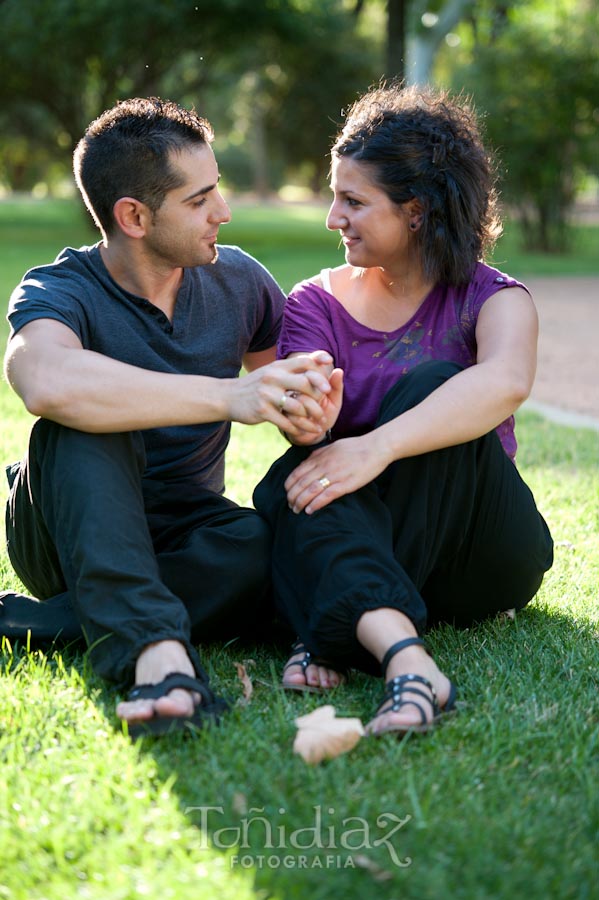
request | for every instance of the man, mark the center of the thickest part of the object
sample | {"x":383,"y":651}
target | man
{"x":129,"y":352}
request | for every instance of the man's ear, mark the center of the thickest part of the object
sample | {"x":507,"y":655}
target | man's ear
{"x":131,"y":216}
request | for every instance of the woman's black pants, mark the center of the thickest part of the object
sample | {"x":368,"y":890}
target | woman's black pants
{"x":449,"y":536}
{"x":126,"y":559}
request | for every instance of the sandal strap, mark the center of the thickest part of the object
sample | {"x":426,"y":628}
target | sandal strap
{"x":397,"y":648}
{"x":303,"y":663}
{"x":168,"y":684}
{"x":396,"y":690}
{"x":308,"y":660}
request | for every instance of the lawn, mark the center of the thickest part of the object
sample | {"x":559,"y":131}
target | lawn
{"x":499,"y":802}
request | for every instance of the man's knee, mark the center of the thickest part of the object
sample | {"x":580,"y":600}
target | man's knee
{"x":52,"y":443}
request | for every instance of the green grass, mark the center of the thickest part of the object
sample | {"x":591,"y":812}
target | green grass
{"x":582,"y":259}
{"x":499,"y":802}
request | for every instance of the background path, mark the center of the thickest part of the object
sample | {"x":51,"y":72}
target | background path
{"x":566,"y":388}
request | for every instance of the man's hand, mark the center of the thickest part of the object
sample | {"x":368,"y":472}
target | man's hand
{"x":293,"y":387}
{"x":330,"y":405}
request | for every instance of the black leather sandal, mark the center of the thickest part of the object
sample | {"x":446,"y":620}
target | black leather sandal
{"x":403,"y":691}
{"x":303,"y":663}
{"x":209,"y":709}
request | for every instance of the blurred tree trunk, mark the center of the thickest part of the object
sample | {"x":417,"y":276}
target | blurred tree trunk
{"x":396,"y":38}
{"x":260,"y":152}
{"x":423,"y":44}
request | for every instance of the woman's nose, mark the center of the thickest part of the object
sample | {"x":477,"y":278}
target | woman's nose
{"x":334,"y":218}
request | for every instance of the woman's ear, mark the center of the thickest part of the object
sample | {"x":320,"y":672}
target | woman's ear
{"x":132,"y":216}
{"x":415,"y":213}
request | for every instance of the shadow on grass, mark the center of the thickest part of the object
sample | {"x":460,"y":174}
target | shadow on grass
{"x":260,"y":805}
{"x":245,"y":794}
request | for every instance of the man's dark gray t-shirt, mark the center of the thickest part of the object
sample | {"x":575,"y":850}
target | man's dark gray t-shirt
{"x":223,"y":311}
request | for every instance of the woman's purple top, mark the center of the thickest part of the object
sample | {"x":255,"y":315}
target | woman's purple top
{"x":442,"y":328}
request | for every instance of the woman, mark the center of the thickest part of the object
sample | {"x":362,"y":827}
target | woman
{"x":413,"y":512}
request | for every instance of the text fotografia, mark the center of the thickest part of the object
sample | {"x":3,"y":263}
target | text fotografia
{"x":353,"y":834}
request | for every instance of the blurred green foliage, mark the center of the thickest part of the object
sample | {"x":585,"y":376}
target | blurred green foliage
{"x":536,"y":76}
{"x":274,"y":76}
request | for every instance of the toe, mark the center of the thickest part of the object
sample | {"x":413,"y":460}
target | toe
{"x":335,"y":678}
{"x":326,"y":678}
{"x":314,"y":675}
{"x":135,"y":710}
{"x":293,"y":673}
{"x":296,"y":679}
{"x":176,"y":703}
{"x":395,"y":721}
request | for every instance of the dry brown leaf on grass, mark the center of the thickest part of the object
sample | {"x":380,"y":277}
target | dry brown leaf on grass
{"x":239,"y":803}
{"x":246,"y":681}
{"x":377,"y":872}
{"x":321,"y":735}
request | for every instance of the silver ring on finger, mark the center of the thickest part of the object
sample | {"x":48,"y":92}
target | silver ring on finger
{"x":282,"y":402}
{"x":324,"y":482}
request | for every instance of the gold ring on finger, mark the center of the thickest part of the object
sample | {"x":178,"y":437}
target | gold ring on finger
{"x":324,"y":482}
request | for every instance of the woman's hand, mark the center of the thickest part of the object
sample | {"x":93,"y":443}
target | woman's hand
{"x":330,"y":472}
{"x":330,"y":405}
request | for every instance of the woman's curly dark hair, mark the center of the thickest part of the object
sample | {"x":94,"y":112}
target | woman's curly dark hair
{"x":421,"y":143}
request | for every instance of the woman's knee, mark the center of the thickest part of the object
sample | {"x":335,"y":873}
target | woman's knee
{"x":269,"y":494}
{"x":415,"y":386}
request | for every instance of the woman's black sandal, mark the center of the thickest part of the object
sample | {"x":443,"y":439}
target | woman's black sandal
{"x":303,"y":663}
{"x":403,"y":691}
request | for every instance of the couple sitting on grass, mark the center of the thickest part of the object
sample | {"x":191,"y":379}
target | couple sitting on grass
{"x":398,"y":505}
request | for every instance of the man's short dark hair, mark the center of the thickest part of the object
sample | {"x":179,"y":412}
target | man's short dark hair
{"x":126,"y":152}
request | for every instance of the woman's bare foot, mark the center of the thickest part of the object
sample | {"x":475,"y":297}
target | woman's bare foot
{"x":378,"y":630}
{"x":298,"y":676}
{"x":412,"y":661}
{"x":154,"y":663}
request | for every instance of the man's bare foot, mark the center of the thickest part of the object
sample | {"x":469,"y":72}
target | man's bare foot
{"x":301,"y":674}
{"x":154,"y":663}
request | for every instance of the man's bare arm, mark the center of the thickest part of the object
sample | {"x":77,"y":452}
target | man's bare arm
{"x":59,"y":380}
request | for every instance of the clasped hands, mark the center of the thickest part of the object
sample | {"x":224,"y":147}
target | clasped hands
{"x":310,"y":417}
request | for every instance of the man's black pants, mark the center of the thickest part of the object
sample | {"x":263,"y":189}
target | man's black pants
{"x":126,"y":559}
